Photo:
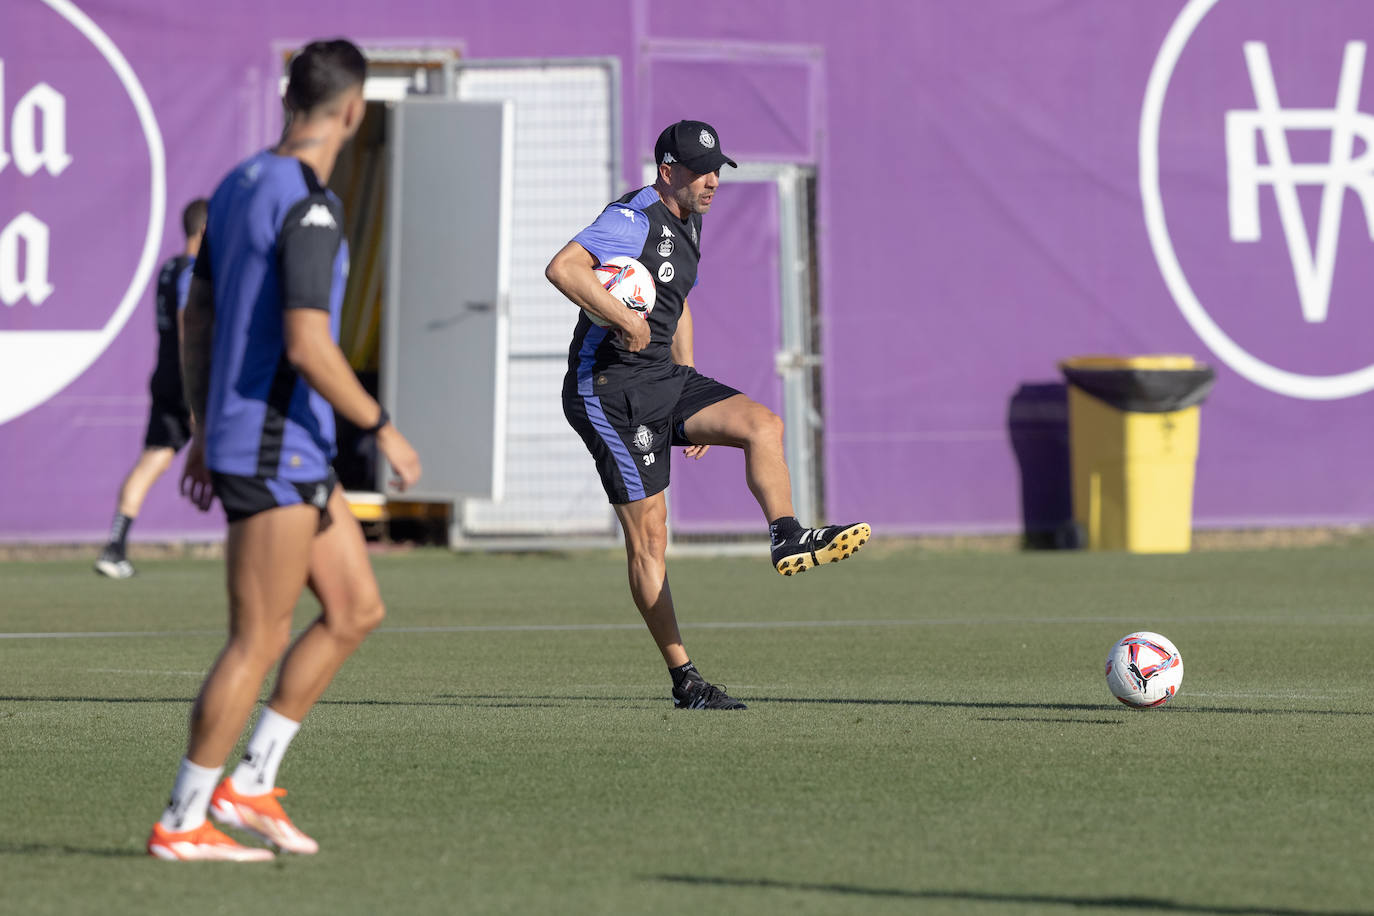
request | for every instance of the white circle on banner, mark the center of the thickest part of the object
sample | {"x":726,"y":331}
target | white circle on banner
{"x":35,"y":365}
{"x":1280,"y":381}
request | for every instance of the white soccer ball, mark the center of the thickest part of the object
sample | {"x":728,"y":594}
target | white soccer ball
{"x":630,"y":282}
{"x":1144,"y":670}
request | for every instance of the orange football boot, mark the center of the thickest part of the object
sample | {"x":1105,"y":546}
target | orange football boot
{"x":260,"y":814}
{"x":203,"y":844}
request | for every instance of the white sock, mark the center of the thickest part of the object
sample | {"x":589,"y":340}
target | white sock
{"x":256,"y":774}
{"x":190,"y":796}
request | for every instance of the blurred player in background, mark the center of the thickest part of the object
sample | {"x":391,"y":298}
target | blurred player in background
{"x":632,"y":393}
{"x":264,"y":375}
{"x":169,"y":424}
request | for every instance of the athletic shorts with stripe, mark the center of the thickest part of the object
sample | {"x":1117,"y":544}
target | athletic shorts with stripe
{"x":630,"y":427}
{"x":244,"y":497}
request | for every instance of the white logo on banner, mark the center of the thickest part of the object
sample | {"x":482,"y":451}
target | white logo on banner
{"x":1313,"y":266}
{"x":30,"y":282}
{"x":35,"y":365}
{"x":41,"y":105}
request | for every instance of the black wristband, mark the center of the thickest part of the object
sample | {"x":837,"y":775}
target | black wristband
{"x":382,"y":420}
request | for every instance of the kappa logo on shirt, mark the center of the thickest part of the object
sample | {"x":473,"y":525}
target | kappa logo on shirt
{"x":627,"y":213}
{"x":319,"y":215}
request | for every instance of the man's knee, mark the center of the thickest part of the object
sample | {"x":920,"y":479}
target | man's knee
{"x":765,"y":426}
{"x":156,"y":459}
{"x":259,"y":647}
{"x":355,"y":619}
{"x":649,"y":545}
{"x":371,"y":615}
{"x":647,"y":536}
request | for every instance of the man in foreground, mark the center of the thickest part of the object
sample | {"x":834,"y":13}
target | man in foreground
{"x":263,"y":376}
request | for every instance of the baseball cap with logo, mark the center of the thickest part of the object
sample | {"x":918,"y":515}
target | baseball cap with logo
{"x":694,"y":144}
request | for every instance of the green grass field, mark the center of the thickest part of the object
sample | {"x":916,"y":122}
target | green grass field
{"x":927,"y":732}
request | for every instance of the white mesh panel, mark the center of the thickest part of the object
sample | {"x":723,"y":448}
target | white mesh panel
{"x":564,"y":174}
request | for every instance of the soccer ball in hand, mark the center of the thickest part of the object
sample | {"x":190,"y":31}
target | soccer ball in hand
{"x":1144,"y":669}
{"x":630,"y":282}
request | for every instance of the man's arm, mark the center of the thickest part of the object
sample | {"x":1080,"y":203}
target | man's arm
{"x":196,"y":327}
{"x":682,"y":338}
{"x":311,"y":351}
{"x":571,"y":272}
{"x":308,"y":249}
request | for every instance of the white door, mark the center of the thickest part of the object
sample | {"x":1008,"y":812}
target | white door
{"x":444,"y":336}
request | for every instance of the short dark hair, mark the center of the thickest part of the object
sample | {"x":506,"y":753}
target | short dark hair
{"x":194,"y":216}
{"x":322,"y":70}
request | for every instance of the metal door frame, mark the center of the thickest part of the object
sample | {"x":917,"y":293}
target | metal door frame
{"x":796,"y":359}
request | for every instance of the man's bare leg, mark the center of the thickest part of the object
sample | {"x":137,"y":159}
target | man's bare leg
{"x":341,"y":577}
{"x":268,"y":560}
{"x":746,"y":424}
{"x":645,"y":523}
{"x":152,"y":463}
{"x":267,"y":557}
{"x":351,"y":605}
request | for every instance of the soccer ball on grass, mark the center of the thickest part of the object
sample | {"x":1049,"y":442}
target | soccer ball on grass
{"x":1144,"y":670}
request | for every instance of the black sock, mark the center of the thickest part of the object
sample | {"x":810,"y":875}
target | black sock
{"x":119,"y":530}
{"x":783,"y":528}
{"x":684,"y":673}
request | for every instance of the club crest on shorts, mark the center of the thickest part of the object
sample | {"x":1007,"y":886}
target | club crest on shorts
{"x":644,"y":439}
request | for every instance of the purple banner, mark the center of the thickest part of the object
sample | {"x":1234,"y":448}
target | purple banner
{"x":1000,"y":185}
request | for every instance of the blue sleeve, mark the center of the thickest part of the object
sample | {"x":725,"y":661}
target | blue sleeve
{"x":184,"y":285}
{"x":617,"y":231}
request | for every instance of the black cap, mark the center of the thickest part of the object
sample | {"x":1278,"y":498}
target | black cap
{"x":693,"y":144}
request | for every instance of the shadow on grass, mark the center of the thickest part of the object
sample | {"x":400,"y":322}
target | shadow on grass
{"x":493,"y":701}
{"x":1111,"y":903}
{"x":1050,"y":719}
{"x":64,"y":849}
{"x":520,"y":701}
{"x":1068,"y":707}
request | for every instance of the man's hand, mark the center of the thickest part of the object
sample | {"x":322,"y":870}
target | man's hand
{"x":695,"y":451}
{"x":405,"y":464}
{"x":636,"y":337}
{"x":195,"y":476}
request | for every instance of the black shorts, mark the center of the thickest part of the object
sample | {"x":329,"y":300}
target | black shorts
{"x":169,"y":424}
{"x":630,"y":428}
{"x":244,"y":497}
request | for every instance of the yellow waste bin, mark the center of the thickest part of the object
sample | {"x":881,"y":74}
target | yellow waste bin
{"x":1133,"y":443}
